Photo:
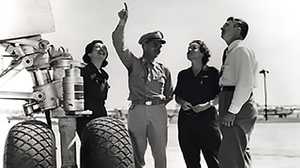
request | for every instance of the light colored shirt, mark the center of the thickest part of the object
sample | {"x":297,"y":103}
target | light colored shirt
{"x":239,"y":70}
{"x":146,"y":81}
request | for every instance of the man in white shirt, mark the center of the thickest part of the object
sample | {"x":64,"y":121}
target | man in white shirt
{"x":236,"y":107}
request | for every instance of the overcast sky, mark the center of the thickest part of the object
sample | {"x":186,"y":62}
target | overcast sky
{"x":273,"y":34}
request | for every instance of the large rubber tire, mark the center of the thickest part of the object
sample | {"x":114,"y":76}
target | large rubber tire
{"x":106,"y":144}
{"x":30,"y":144}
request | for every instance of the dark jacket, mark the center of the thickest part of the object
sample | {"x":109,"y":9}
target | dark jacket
{"x":95,"y":89}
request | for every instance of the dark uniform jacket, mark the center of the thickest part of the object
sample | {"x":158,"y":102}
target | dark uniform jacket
{"x":95,"y":89}
{"x":95,"y":94}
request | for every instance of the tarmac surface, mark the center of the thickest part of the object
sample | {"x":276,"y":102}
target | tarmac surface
{"x":274,"y":144}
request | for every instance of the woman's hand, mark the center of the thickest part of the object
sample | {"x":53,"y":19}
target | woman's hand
{"x":201,"y":107}
{"x":186,"y":106}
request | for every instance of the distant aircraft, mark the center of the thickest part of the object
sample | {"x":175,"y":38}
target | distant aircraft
{"x":280,"y":111}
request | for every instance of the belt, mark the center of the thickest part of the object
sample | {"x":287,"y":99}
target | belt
{"x":148,"y":102}
{"x":227,"y":88}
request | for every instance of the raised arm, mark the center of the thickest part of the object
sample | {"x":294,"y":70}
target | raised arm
{"x":118,"y":39}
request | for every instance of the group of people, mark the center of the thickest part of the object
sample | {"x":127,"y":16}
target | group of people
{"x":221,"y":135}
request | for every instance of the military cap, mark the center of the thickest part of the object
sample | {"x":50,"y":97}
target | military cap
{"x":156,"y":35}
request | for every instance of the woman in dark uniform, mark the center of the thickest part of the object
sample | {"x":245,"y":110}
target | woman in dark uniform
{"x":196,"y":89}
{"x":95,"y":82}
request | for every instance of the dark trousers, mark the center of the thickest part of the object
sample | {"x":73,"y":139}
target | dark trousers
{"x":82,"y":121}
{"x":234,"y":149}
{"x":199,"y":132}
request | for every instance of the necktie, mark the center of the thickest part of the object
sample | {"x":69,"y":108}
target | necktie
{"x":224,"y":55}
{"x":149,"y":76}
{"x":223,"y":60}
{"x":148,"y":68}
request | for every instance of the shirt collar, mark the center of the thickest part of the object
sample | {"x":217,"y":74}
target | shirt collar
{"x":204,"y":69}
{"x":234,"y":44}
{"x":100,"y":71}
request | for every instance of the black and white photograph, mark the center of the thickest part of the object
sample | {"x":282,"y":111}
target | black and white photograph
{"x":149,"y":84}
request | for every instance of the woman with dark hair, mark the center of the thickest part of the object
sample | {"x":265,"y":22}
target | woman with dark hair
{"x":95,"y":82}
{"x":196,"y":89}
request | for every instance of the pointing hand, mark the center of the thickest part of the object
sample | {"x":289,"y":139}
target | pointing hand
{"x":123,"y":14}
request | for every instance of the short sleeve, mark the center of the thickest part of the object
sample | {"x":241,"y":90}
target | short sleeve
{"x":179,"y":85}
